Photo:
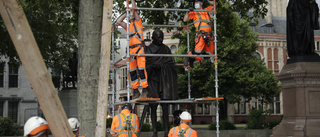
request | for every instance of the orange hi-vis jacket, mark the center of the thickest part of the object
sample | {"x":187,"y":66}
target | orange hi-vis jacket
{"x":187,"y":131}
{"x":118,"y":126}
{"x":133,"y":34}
{"x":204,"y":18}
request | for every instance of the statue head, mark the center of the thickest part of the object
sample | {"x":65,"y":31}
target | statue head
{"x":157,"y":37}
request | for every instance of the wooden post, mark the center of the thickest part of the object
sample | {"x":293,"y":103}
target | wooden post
{"x":32,"y":61}
{"x":104,"y":69}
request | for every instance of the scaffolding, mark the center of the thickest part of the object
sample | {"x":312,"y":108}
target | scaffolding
{"x":128,"y":58}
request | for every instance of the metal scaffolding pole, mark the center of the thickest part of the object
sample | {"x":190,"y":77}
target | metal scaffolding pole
{"x":113,"y":71}
{"x":216,"y":67}
{"x":170,"y":55}
{"x":188,"y":50}
{"x":128,"y":54}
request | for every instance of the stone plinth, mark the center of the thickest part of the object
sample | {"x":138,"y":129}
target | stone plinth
{"x":301,"y":100}
{"x":69,"y":102}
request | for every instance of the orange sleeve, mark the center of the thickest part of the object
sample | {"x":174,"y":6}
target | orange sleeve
{"x":194,"y":133}
{"x":192,"y":15}
{"x":170,"y":133}
{"x":113,"y":125}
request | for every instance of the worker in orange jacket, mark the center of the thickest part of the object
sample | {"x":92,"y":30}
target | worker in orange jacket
{"x":183,"y":130}
{"x":204,"y":36}
{"x":136,"y":45}
{"x":125,"y":124}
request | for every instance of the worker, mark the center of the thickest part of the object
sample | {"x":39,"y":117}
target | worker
{"x":74,"y":124}
{"x":183,"y":130}
{"x":203,"y":38}
{"x":136,"y":45}
{"x":36,"y":127}
{"x":125,"y":124}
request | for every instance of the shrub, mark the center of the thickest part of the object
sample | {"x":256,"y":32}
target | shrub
{"x":257,"y":119}
{"x":224,"y":125}
{"x":8,"y":128}
{"x":274,"y":123}
{"x":146,"y":127}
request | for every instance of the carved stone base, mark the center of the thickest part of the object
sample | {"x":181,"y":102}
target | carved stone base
{"x":301,"y":100}
{"x":68,"y":98}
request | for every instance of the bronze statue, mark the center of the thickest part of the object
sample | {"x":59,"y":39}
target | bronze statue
{"x":302,"y":20}
{"x":70,"y":75}
{"x":162,"y":79}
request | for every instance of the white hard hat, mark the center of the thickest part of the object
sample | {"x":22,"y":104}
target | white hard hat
{"x":185,"y":116}
{"x":74,"y":124}
{"x":34,"y":125}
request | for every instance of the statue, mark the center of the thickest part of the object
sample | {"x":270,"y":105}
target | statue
{"x":70,"y":75}
{"x":302,"y":20}
{"x":162,"y":79}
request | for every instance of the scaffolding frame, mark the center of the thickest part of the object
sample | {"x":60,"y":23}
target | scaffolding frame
{"x":186,"y":27}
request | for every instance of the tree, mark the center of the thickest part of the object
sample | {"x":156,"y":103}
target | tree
{"x":54,"y":25}
{"x":90,"y":24}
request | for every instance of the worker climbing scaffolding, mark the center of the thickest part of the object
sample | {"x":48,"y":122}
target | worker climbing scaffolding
{"x":204,"y":38}
{"x":137,"y":46}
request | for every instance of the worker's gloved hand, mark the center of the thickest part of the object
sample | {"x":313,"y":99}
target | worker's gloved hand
{"x":190,"y":9}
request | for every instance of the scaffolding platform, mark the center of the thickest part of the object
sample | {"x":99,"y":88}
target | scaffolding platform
{"x":146,"y":101}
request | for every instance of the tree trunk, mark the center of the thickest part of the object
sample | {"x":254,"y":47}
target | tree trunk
{"x":90,"y":18}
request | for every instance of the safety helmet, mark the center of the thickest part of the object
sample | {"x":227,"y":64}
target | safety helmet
{"x":127,"y":106}
{"x":74,"y":124}
{"x":34,"y":125}
{"x":185,"y":116}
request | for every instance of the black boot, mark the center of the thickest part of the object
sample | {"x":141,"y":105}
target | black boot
{"x":136,"y":94}
{"x":144,"y":93}
{"x":191,"y":60}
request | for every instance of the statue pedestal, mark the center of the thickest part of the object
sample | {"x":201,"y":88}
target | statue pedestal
{"x":301,"y":100}
{"x":69,"y":102}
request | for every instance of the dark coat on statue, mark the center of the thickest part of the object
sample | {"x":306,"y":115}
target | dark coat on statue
{"x":162,"y":74}
{"x":302,"y":20}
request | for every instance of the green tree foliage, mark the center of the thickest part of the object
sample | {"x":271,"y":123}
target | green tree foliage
{"x":224,"y":125}
{"x":8,"y":128}
{"x":54,"y":26}
{"x":257,"y":119}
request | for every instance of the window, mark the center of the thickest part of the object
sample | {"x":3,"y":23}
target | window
{"x":236,"y":108}
{"x":123,"y":78}
{"x":13,"y":111}
{"x":277,"y":103}
{"x":199,"y":108}
{"x":1,"y":75}
{"x":1,"y":109}
{"x":13,"y":76}
{"x":110,"y":80}
{"x":243,"y":106}
{"x":207,"y":108}
{"x":173,"y":48}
